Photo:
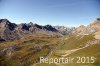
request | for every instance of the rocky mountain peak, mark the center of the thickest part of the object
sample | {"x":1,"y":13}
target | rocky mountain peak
{"x":31,"y":24}
{"x":91,"y":28}
{"x":96,"y":22}
{"x":23,"y":26}
{"x":4,"y":23}
{"x":64,"y":30}
{"x":12,"y":31}
{"x":49,"y":27}
{"x":98,"y":18}
{"x":4,"y":20}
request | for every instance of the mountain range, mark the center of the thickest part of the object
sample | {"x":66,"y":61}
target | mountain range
{"x":91,"y":28}
{"x":23,"y":44}
{"x":11,"y":31}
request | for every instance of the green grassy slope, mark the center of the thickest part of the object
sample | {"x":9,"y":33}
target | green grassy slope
{"x":72,"y":45}
{"x":75,"y":42}
{"x":26,"y":53}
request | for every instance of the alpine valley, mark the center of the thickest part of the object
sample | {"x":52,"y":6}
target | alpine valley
{"x":24,"y":44}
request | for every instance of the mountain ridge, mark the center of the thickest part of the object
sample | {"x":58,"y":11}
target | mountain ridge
{"x":89,"y":29}
{"x":12,"y":31}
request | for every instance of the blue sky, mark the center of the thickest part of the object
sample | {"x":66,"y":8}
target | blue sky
{"x":54,"y":12}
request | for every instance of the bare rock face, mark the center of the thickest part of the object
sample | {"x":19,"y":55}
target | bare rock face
{"x":37,"y":47}
{"x":4,"y":23}
{"x":92,"y":28}
{"x":7,"y":30}
{"x":64,"y":30}
{"x":12,"y":31}
{"x":80,"y":28}
{"x":8,"y":51}
{"x":96,"y":24}
{"x":50,"y":28}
